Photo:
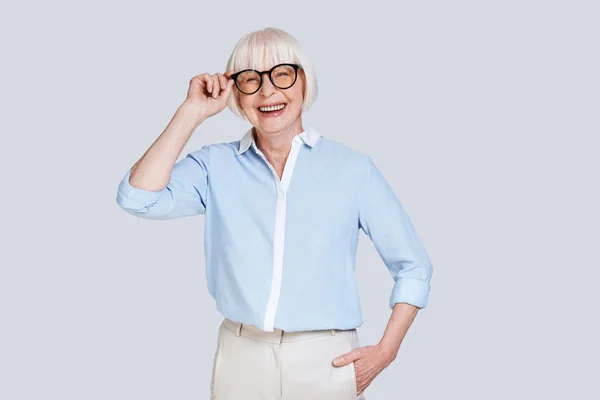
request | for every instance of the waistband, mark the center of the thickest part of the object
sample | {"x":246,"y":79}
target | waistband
{"x":278,"y":335}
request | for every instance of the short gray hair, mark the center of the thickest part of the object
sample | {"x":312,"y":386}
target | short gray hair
{"x":272,"y":46}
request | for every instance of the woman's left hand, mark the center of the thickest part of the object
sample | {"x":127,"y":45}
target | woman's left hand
{"x":369,"y":361}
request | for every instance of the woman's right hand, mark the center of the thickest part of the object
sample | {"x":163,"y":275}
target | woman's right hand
{"x":209,"y":93}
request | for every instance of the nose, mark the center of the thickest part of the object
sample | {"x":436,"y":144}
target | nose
{"x":267,"y":87}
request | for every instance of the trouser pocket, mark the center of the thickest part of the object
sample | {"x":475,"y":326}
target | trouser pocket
{"x":344,"y":377}
{"x":244,"y":368}
{"x":353,"y":344}
{"x":216,"y":370}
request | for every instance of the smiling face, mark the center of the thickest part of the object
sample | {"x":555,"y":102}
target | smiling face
{"x":288,"y":118}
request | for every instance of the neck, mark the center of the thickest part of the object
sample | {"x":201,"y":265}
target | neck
{"x":277,"y":143}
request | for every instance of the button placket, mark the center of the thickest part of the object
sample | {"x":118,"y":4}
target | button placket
{"x":279,"y":232}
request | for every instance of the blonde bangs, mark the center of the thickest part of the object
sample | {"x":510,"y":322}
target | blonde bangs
{"x":261,"y":51}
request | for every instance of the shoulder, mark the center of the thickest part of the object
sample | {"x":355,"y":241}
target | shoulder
{"x":215,"y":151}
{"x":348,"y":155}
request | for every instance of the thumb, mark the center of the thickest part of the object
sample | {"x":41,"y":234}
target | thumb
{"x":343,"y":359}
{"x":227,"y":74}
{"x":228,"y":88}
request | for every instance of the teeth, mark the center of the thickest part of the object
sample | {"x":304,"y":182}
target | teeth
{"x":272,"y":108}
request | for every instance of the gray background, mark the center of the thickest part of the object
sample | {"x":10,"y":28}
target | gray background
{"x":482,"y":115}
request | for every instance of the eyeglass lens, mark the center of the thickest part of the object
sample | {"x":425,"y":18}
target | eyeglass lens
{"x":283,"y":77}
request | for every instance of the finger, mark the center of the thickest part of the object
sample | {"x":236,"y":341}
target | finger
{"x":341,"y":360}
{"x":228,"y":73}
{"x":216,"y":86}
{"x":228,"y":88}
{"x":230,"y":80}
{"x":222,"y":80}
{"x":201,"y":81}
{"x":202,"y":77}
{"x":205,"y":82}
{"x":351,"y":356}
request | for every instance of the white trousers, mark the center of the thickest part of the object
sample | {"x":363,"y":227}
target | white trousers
{"x":251,"y":364}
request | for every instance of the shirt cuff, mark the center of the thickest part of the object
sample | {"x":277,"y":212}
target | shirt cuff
{"x":411,"y":291}
{"x":135,"y":198}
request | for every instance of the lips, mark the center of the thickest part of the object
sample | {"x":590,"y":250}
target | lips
{"x":271,"y":105}
{"x":275,"y":110}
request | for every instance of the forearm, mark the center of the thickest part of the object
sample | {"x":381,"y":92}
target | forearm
{"x":153,"y":170}
{"x":403,"y":314}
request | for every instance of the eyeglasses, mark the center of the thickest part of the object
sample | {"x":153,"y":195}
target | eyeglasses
{"x":282,"y":76}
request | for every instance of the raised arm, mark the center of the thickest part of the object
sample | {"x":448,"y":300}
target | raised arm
{"x":155,"y":187}
{"x":184,"y":195}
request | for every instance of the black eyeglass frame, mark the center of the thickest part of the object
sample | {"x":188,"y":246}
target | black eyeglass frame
{"x":260,"y":74}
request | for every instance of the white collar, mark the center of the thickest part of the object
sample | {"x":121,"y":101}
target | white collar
{"x":308,"y":135}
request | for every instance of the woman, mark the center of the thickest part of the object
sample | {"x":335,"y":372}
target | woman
{"x":283,"y":207}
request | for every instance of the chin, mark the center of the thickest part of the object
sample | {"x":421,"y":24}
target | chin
{"x":275,"y":126}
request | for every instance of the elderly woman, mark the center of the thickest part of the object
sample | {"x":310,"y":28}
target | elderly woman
{"x":283,"y":207}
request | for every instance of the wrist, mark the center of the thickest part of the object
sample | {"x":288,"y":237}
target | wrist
{"x":387,"y":350}
{"x":193,"y":112}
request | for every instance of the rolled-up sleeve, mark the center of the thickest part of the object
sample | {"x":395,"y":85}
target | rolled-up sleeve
{"x":185,"y":195}
{"x":383,"y":218}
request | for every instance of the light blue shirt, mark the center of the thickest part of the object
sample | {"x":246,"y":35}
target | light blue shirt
{"x":280,"y":253}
